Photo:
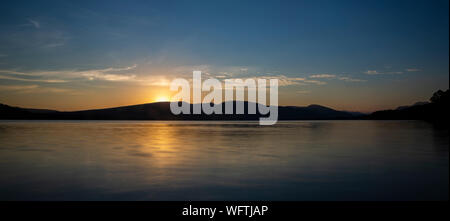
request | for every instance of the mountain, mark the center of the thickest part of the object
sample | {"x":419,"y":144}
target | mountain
{"x":415,"y":104}
{"x":161,"y":111}
{"x":312,"y":112}
{"x":436,"y":110}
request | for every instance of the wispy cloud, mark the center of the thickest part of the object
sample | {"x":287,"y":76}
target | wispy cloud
{"x":107,"y":74}
{"x":32,"y":80}
{"x":315,"y":82}
{"x":375,"y":72}
{"x":52,"y":39}
{"x":333,"y":76}
{"x":111,"y":74}
{"x":349,"y":79}
{"x":412,"y":69}
{"x":17,"y":87}
{"x":284,"y":80}
{"x":38,"y":37}
{"x":372,"y":72}
{"x":92,"y":75}
{"x":159,"y":77}
{"x":35,"y":23}
{"x":230,"y":72}
{"x":51,"y":90}
{"x":35,"y":89}
{"x":287,"y":81}
{"x":322,"y":76}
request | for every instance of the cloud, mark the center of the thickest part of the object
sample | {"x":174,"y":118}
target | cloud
{"x":112,"y":74}
{"x":349,"y":79}
{"x":52,"y":39}
{"x":315,"y":82}
{"x":35,"y":89}
{"x":35,"y":23}
{"x":287,"y":81}
{"x":302,"y":92}
{"x":158,"y":76}
{"x":100,"y":75}
{"x":48,"y":37}
{"x":372,"y":72}
{"x":33,"y":80}
{"x":17,"y":87}
{"x":221,"y":73}
{"x":322,"y":76}
{"x":282,"y":80}
{"x":412,"y":69}
{"x":127,"y":68}
{"x":344,"y":78}
{"x":107,"y":74}
{"x":375,"y":72}
{"x":53,"y":90}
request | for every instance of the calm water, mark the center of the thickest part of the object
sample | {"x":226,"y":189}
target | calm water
{"x":140,"y":160}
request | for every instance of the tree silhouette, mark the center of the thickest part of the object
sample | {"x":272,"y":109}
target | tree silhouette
{"x":440,"y":97}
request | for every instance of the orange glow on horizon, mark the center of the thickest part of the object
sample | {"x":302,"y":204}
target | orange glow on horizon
{"x":162,"y":98}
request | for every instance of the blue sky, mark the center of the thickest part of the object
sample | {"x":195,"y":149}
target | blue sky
{"x":355,"y":55}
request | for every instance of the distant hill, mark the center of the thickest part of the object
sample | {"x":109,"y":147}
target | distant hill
{"x":415,"y":104}
{"x":436,"y":110}
{"x":161,"y":111}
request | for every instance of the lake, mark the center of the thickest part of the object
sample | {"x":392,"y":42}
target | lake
{"x":164,"y":160}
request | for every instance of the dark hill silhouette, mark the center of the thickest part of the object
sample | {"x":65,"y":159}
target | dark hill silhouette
{"x":436,"y":110}
{"x":415,"y":104}
{"x":161,"y":111}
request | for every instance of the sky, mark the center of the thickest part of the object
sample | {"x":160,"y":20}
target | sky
{"x":348,"y":55}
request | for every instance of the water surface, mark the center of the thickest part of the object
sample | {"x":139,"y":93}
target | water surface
{"x":150,"y":160}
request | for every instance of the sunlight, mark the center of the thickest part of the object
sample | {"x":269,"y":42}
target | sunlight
{"x":162,"y":98}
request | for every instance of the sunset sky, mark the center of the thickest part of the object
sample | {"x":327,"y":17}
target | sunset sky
{"x":347,"y":55}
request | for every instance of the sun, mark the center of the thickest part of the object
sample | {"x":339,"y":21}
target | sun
{"x":162,"y":98}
